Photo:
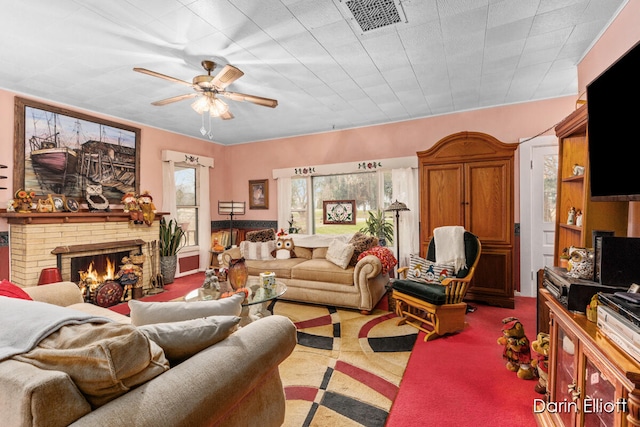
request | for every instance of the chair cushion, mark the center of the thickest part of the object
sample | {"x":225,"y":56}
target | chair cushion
{"x":434,"y":294}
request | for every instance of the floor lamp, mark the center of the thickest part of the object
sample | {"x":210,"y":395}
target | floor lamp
{"x":231,"y":208}
{"x":397,"y":207}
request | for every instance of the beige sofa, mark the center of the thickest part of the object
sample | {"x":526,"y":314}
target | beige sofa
{"x":235,"y":382}
{"x":311,"y":278}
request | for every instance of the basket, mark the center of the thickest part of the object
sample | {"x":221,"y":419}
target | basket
{"x":138,"y":259}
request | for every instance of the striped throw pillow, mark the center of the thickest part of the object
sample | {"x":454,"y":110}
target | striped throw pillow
{"x":425,"y":271}
{"x":257,"y":250}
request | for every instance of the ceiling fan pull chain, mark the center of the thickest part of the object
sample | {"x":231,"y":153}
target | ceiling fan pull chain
{"x":210,"y":129}
{"x":203,"y":131}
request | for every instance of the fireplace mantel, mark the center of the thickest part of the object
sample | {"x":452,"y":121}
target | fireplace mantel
{"x":97,"y":246}
{"x":68,"y":217}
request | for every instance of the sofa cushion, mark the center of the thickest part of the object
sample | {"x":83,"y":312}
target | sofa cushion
{"x":261,"y":235}
{"x":361,"y":242}
{"x":8,"y":289}
{"x":426,"y":271}
{"x":340,"y":253}
{"x":320,"y":252}
{"x":181,"y":340}
{"x":257,"y":250}
{"x":434,"y":294}
{"x":322,"y":270}
{"x":104,"y":360}
{"x":281,"y":267}
{"x":145,"y":313}
{"x":302,"y":252}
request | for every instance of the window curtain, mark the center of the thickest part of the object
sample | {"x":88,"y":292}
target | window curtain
{"x":203,"y":164}
{"x":284,"y":203}
{"x":204,"y":217}
{"x":169,"y":188}
{"x":405,"y":189}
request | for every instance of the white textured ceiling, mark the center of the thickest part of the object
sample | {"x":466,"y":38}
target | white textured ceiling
{"x":310,"y":55}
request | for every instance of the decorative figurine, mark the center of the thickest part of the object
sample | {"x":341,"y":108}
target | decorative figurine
{"x":147,"y":208}
{"x":579,"y":218}
{"x":130,"y":205}
{"x":571,"y":217}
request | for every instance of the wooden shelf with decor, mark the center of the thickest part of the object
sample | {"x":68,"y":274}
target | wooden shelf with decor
{"x":586,"y":368}
{"x":573,"y":190}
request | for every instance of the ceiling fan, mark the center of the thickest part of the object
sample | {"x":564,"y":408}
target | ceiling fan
{"x":207,"y":89}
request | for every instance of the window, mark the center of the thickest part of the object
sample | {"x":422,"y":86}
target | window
{"x":186,"y":179}
{"x":370,"y":190}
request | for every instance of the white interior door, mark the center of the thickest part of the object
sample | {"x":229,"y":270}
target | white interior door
{"x":538,"y":186}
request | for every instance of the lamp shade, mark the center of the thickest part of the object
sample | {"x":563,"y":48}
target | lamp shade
{"x":231,"y":208}
{"x":397,"y":206}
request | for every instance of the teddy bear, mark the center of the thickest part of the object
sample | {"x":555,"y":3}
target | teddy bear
{"x":540,"y":361}
{"x":517,"y":351}
{"x":284,"y":247}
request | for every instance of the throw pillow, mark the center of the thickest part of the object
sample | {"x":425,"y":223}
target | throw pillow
{"x":340,"y":253}
{"x":104,"y":360}
{"x":257,"y":250}
{"x":361,"y":242}
{"x":145,"y":313}
{"x":8,"y":289}
{"x":423,"y":270}
{"x":181,"y":340}
{"x":261,"y":235}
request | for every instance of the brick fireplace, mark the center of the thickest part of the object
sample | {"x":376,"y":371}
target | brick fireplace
{"x":45,"y":241}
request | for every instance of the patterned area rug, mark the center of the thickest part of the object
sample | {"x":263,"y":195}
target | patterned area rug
{"x":347,"y":367}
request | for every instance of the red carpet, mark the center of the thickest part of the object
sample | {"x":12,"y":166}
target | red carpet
{"x":456,"y":380}
{"x":180,"y":287}
{"x":461,"y":379}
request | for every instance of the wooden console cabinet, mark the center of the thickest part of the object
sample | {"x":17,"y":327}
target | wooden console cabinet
{"x":467,"y":179}
{"x":591,"y":381}
{"x":574,"y":191}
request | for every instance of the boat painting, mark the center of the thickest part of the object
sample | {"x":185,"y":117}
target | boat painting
{"x":64,"y":154}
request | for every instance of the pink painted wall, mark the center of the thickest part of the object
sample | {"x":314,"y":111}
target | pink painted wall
{"x":508,"y":124}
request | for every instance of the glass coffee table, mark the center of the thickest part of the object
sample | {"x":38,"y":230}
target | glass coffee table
{"x":257,"y":305}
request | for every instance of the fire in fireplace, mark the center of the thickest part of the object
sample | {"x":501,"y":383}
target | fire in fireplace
{"x":92,"y":271}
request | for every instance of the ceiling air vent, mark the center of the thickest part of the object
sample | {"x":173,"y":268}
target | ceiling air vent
{"x":374,"y":14}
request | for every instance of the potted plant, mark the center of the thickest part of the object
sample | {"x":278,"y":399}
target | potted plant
{"x":172,"y":239}
{"x":377,"y":225}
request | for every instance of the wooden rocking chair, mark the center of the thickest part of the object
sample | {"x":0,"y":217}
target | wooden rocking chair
{"x":437,"y":309}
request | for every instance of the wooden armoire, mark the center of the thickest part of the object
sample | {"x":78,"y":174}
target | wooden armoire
{"x":467,"y":179}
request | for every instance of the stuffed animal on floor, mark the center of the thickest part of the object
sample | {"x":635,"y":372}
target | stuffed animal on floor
{"x":284,"y":248}
{"x":517,"y":351}
{"x":540,"y":361}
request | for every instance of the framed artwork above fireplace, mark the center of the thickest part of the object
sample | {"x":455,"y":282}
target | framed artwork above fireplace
{"x":59,"y":151}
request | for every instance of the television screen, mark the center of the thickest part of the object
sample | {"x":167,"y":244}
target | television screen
{"x":612,"y":106}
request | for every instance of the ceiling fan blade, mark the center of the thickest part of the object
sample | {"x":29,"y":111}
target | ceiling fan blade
{"x":236,"y":96}
{"x":226,"y":116}
{"x":162,"y":76}
{"x":226,"y":76}
{"x":174,"y":99}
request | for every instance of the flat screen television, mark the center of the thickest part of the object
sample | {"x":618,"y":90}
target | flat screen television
{"x":614,"y":130}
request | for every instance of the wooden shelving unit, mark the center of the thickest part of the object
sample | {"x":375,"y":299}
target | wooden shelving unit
{"x":585,"y":367}
{"x":573,"y":190}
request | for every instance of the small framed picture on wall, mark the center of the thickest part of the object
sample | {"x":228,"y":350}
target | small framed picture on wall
{"x":259,"y":194}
